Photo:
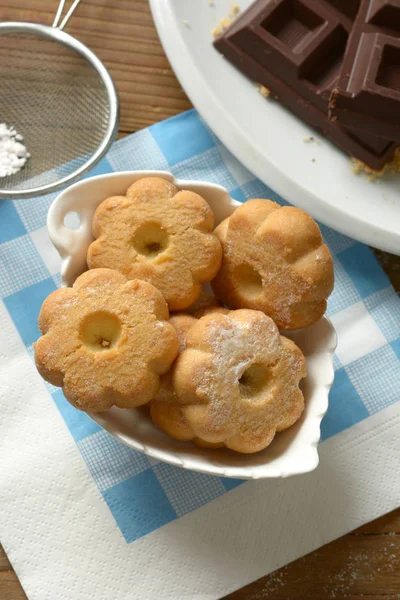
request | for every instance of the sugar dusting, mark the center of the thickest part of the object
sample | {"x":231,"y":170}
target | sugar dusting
{"x":236,"y":345}
{"x":361,"y":566}
{"x":277,"y":272}
{"x":13,"y":154}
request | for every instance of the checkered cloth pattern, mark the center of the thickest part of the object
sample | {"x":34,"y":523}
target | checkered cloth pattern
{"x":141,"y":493}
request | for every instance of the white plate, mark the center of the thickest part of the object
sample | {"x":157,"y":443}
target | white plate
{"x":293,"y":451}
{"x":268,"y":139}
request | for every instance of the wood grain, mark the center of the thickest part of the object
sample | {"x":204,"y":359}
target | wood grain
{"x":363,"y":563}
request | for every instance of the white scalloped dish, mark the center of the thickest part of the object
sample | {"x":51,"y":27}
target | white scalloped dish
{"x":293,"y":451}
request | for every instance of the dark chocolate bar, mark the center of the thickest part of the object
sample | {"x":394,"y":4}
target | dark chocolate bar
{"x":367,"y":95}
{"x":295,"y":48}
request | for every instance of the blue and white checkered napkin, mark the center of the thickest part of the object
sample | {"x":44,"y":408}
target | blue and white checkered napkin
{"x":144,"y":495}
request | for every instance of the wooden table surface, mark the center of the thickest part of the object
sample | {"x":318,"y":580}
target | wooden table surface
{"x":365,"y":563}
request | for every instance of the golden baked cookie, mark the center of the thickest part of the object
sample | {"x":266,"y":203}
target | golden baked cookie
{"x":105,"y":341}
{"x":165,"y":410}
{"x":238,"y":380}
{"x":275,"y":261}
{"x":161,"y":235}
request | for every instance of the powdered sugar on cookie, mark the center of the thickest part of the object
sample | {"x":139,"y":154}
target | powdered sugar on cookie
{"x":237,"y":380}
{"x":275,"y":261}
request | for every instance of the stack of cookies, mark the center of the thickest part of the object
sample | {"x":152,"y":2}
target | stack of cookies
{"x":138,"y":327}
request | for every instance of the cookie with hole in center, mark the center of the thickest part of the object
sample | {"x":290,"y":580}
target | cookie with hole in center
{"x":274,"y":260}
{"x":106,"y":341}
{"x":237,"y":380}
{"x":161,"y":235}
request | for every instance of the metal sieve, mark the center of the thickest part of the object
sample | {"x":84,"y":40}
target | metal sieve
{"x":60,"y":97}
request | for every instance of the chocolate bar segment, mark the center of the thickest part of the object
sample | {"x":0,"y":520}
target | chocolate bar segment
{"x":300,"y":41}
{"x":367,"y":95}
{"x":295,"y":48}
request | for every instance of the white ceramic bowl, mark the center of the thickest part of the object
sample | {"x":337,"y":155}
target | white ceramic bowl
{"x":293,"y":451}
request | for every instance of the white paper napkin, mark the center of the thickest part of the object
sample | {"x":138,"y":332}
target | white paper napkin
{"x":82,"y":516}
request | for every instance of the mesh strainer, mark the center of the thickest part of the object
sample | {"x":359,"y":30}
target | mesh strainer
{"x":60,"y":97}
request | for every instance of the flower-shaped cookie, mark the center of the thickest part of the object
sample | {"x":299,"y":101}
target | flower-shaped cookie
{"x":159,"y":234}
{"x":275,"y":261}
{"x":238,"y":380}
{"x":165,"y":410}
{"x":105,"y":341}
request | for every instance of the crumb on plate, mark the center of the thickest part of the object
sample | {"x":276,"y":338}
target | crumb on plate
{"x":225,"y":22}
{"x":264,"y":91}
{"x":391,"y":167}
{"x":311,"y":138}
{"x":235,"y":10}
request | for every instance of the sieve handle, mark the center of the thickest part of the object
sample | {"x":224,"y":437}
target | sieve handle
{"x":67,"y":16}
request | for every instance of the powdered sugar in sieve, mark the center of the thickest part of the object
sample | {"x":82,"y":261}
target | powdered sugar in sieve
{"x":13,"y":154}
{"x":57,"y":93}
